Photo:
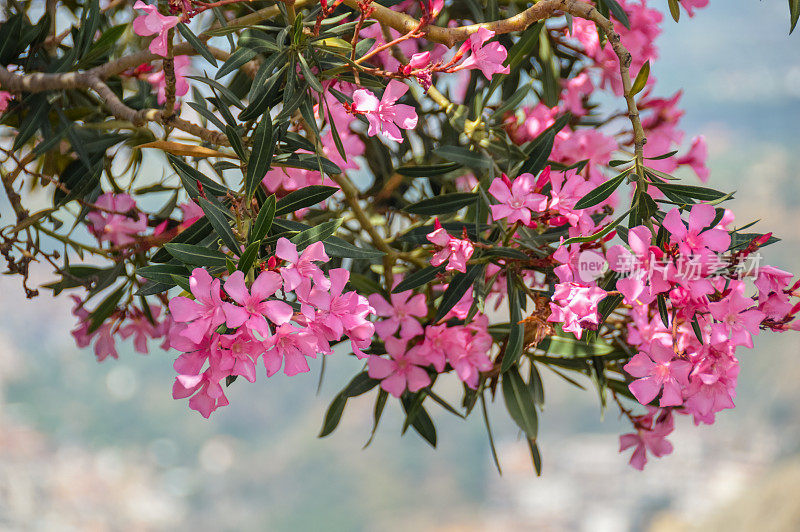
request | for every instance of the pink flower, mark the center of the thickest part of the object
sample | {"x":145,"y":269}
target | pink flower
{"x":289,"y":179}
{"x":567,"y":189}
{"x":691,"y":5}
{"x":576,"y":307}
{"x":158,"y":79}
{"x":656,"y":370}
{"x":140,"y":327}
{"x":473,"y":358}
{"x":401,"y":371}
{"x":203,"y":314}
{"x":191,"y":213}
{"x":696,"y":158}
{"x":650,"y":435}
{"x":712,"y":382}
{"x":696,"y":239}
{"x":400,"y":314}
{"x":255,"y":305}
{"x":5,"y":97}
{"x":439,"y":341}
{"x":534,"y":122}
{"x":488,"y":58}
{"x":737,"y":316}
{"x":238,"y":353}
{"x":771,"y":279}
{"x":384,"y":115}
{"x":119,"y":229}
{"x":333,"y":313}
{"x":290,"y":345}
{"x":103,"y":336}
{"x":207,"y":394}
{"x":575,"y":90}
{"x":301,"y":267}
{"x":643,"y":272}
{"x":455,"y":251}
{"x":154,"y":23}
{"x":517,"y":199}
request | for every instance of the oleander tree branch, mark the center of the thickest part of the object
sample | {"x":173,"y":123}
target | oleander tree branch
{"x":542,"y":10}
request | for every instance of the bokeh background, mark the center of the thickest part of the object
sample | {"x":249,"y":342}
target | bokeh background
{"x":88,"y":446}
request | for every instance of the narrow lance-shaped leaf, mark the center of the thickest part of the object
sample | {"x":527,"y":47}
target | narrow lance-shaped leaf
{"x":261,"y":155}
{"x":302,"y":198}
{"x":197,"y":44}
{"x":263,"y":221}
{"x":641,"y":79}
{"x":220,"y":224}
{"x":601,"y":193}
{"x":444,"y":204}
{"x":520,"y":402}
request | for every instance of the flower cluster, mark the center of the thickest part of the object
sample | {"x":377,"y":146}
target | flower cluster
{"x":222,"y":335}
{"x":416,"y":352}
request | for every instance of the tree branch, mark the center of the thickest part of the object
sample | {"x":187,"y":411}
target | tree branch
{"x":541,"y":10}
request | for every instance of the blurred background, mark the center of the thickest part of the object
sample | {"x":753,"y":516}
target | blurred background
{"x":88,"y":446}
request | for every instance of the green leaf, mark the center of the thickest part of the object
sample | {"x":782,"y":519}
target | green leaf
{"x":237,"y":59}
{"x":360,"y":384}
{"x":662,"y":310}
{"x":236,"y":142}
{"x":249,"y":256}
{"x":162,"y":273}
{"x":456,"y":289}
{"x":316,"y":233}
{"x":536,"y":457}
{"x":536,"y":386}
{"x":197,"y":44}
{"x":304,"y":197}
{"x":690,"y":191}
{"x":458,"y":154}
{"x":794,"y":13}
{"x":429,"y":170}
{"x":151,"y":288}
{"x":516,"y":332}
{"x":106,"y":308}
{"x":182,"y":281}
{"x":263,"y":221}
{"x":333,"y":415}
{"x":599,"y":234}
{"x":641,"y":78}
{"x":190,"y":176}
{"x":197,"y":255}
{"x":260,"y":156}
{"x":421,"y":421}
{"x":541,"y":148}
{"x":380,"y":403}
{"x":601,"y":193}
{"x":309,"y":76}
{"x":505,"y":253}
{"x":570,"y":347}
{"x":520,"y":402}
{"x":193,"y":234}
{"x":418,"y":278}
{"x":513,"y":102}
{"x":675,"y":10}
{"x":443,"y":204}
{"x":337,"y":247}
{"x":219,"y":222}
{"x":308,"y":161}
{"x":224,"y":91}
{"x":489,"y":433}
{"x":522,"y":49}
{"x":104,"y":45}
{"x":618,"y":12}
